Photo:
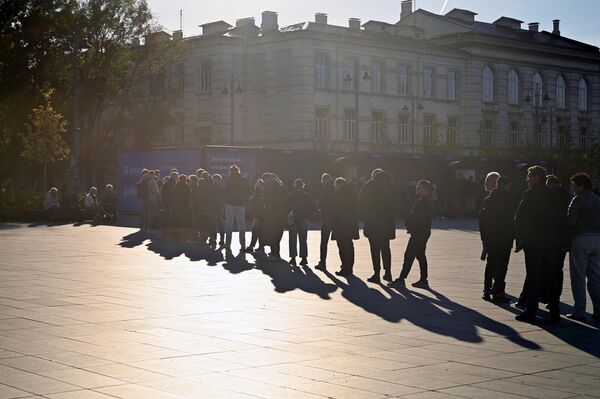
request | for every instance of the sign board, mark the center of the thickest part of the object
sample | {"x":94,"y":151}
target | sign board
{"x":131,"y":165}
{"x":218,"y":160}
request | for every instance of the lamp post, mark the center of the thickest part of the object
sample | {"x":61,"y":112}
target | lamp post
{"x":356,"y":83}
{"x":231,"y":92}
{"x":414,"y":106}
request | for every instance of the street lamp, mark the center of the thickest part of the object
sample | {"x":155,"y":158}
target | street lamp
{"x":354,"y":79}
{"x":414,"y":106}
{"x":231,"y":92}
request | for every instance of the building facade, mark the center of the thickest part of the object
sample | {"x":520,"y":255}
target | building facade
{"x":429,"y":82}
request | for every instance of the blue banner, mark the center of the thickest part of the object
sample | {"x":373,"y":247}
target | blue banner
{"x":219,"y":161}
{"x":131,"y":165}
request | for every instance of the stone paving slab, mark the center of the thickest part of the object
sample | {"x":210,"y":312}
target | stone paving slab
{"x":95,"y":312}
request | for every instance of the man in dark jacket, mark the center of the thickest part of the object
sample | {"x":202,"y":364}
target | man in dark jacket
{"x":344,"y":224}
{"x":584,"y":260}
{"x":496,"y":228}
{"x":237,"y":193}
{"x":418,"y":225}
{"x":299,"y":210}
{"x":377,"y":202}
{"x":324,"y":203}
{"x":537,"y":222}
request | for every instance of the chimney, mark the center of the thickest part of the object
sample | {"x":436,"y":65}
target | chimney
{"x":269,"y":21}
{"x":177,"y":35}
{"x":534,"y":27}
{"x":321,"y":18}
{"x":556,"y":29}
{"x":354,"y":23}
{"x":407,"y":9}
{"x":244,"y":21}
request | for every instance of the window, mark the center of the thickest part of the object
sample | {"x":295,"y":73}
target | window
{"x":350,"y":124}
{"x":428,"y":135}
{"x":376,"y":77}
{"x":428,"y":82}
{"x":321,"y":129}
{"x":583,"y":135}
{"x":163,"y":137}
{"x":487,"y":90}
{"x":563,"y":138}
{"x":561,"y":92}
{"x":452,"y":131}
{"x":451,"y":85}
{"x":514,"y":134}
{"x":513,"y":87}
{"x":205,"y":76}
{"x":320,"y":70}
{"x":349,"y":76}
{"x":403,"y":129}
{"x":487,"y":137}
{"x":378,"y":128}
{"x":403,"y":80}
{"x":583,"y":95}
{"x":538,"y":88}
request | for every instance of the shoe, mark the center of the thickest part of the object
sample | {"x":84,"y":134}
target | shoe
{"x":374,"y":279}
{"x":247,"y":250}
{"x":388,"y":277}
{"x":293,"y":261}
{"x":486,"y":297}
{"x":343,"y":273}
{"x":525,"y":317}
{"x":303,"y":262}
{"x":222,"y":243}
{"x":500,"y":299}
{"x":321,"y":266}
{"x":520,"y":305}
{"x":398,"y":283}
{"x":421,"y":284}
{"x":580,"y":319}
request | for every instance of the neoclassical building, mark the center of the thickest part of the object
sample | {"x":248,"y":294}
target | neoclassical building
{"x":426,"y":81}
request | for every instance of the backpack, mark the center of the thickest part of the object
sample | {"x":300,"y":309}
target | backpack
{"x":142,"y":189}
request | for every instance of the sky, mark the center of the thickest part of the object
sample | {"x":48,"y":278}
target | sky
{"x":579,"y":18}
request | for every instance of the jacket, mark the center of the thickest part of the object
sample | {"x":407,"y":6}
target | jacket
{"x":537,"y":219}
{"x":325,"y":199}
{"x":377,"y":202}
{"x":237,"y":190}
{"x":496,"y":215}
{"x":584,"y":214}
{"x":344,"y":215}
{"x":300,"y":204}
{"x":418,"y":221}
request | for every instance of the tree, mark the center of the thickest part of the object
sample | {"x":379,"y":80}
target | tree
{"x":43,"y":136}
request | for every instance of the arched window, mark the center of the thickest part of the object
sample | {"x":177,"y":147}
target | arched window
{"x":561,"y":92}
{"x":538,"y":90}
{"x":513,"y":87}
{"x":583,"y":95}
{"x":488,"y":85}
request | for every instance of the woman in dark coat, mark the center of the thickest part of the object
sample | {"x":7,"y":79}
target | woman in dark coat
{"x":377,"y":201}
{"x":274,"y":213}
{"x":344,"y":224}
{"x":257,"y":205}
{"x":181,"y":202}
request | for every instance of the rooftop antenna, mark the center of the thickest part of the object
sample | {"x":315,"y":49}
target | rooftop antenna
{"x":444,"y":6}
{"x":181,"y":20}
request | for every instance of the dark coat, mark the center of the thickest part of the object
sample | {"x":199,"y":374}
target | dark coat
{"x":274,"y":214}
{"x":344,"y":214}
{"x":537,"y":220}
{"x":418,"y":221}
{"x":496,"y":225}
{"x":378,"y":204}
{"x":181,"y":205}
{"x":165,"y":193}
{"x":237,"y":190}
{"x":325,"y":199}
{"x":300,"y":204}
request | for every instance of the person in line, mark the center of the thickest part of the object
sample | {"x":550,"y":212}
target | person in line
{"x":194,"y":190}
{"x":108,"y":204}
{"x":537,"y":222}
{"x":274,"y":215}
{"x":497,"y":236}
{"x":344,"y":224}
{"x":257,"y":205}
{"x":152,"y":202}
{"x":142,"y":194}
{"x":584,"y":258}
{"x":324,"y":201}
{"x":181,"y":201}
{"x":377,"y":201}
{"x":202,"y":205}
{"x":300,"y":208}
{"x":216,"y":212}
{"x":237,"y":192}
{"x":91,"y":203}
{"x":165,"y":201}
{"x":418,"y":225}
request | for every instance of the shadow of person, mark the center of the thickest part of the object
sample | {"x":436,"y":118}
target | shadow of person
{"x":134,"y":239}
{"x":166,"y":248}
{"x":236,"y":264}
{"x":196,"y":252}
{"x":286,"y":278}
{"x":438,"y":314}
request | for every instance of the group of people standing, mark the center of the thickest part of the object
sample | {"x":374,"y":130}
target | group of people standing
{"x":201,"y":207}
{"x":546,"y":224}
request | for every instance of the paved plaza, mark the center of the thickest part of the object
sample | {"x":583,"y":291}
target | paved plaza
{"x":102,"y":312}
